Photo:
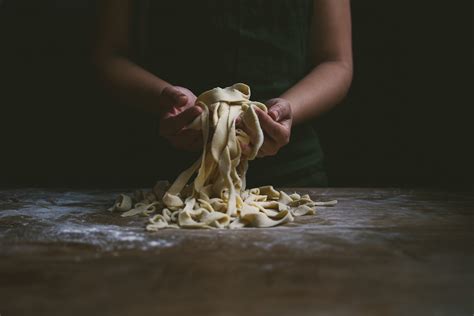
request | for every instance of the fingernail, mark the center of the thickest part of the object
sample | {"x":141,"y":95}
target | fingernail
{"x":273,"y":115}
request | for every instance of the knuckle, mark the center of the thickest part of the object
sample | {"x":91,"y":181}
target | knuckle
{"x":275,"y":107}
{"x":167,"y":90}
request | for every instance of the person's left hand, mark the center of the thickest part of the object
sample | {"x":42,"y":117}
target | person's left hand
{"x":276,"y":126}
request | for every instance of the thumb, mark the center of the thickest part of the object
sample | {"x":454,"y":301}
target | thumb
{"x":279,"y":109}
{"x":275,"y":112}
{"x":174,"y":97}
{"x":179,"y":98}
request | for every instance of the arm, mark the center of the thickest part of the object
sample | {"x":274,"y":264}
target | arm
{"x":330,"y":79}
{"x":124,"y":79}
{"x":324,"y":86}
{"x":138,"y":87}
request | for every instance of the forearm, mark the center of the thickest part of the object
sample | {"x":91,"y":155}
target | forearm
{"x":130,"y":83}
{"x":324,"y":87}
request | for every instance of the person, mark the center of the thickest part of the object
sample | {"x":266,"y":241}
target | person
{"x":295,"y":55}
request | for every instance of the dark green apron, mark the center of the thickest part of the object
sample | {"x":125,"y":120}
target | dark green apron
{"x":263,"y":43}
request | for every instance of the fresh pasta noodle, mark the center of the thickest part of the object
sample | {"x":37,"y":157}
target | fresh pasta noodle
{"x":217,"y":197}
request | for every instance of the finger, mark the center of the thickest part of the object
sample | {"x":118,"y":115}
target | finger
{"x":196,"y":145}
{"x":173,"y":97}
{"x":187,"y":139}
{"x":269,"y":147}
{"x":180,"y":143}
{"x":279,"y":111}
{"x":196,"y":142}
{"x":273,"y":129}
{"x":245,"y":149}
{"x":174,"y":124}
{"x":286,"y":123}
{"x":188,"y":144}
{"x":238,"y":121}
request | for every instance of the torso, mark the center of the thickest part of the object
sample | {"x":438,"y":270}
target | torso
{"x":263,"y":43}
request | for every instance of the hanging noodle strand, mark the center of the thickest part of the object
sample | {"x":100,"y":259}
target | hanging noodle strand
{"x":217,"y":197}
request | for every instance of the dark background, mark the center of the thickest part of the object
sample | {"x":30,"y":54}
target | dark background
{"x":405,"y":121}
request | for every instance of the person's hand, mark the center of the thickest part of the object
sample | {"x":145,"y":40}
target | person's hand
{"x":276,"y":126}
{"x":177,"y":111}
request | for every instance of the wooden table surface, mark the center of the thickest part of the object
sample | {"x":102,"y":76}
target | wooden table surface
{"x":378,"y":252}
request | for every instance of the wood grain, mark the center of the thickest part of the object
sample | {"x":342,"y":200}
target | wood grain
{"x":378,"y":252}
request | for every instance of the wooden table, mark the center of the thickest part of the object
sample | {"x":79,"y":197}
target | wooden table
{"x":378,"y":252}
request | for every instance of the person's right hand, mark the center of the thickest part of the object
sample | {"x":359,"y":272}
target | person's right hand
{"x":177,"y":111}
